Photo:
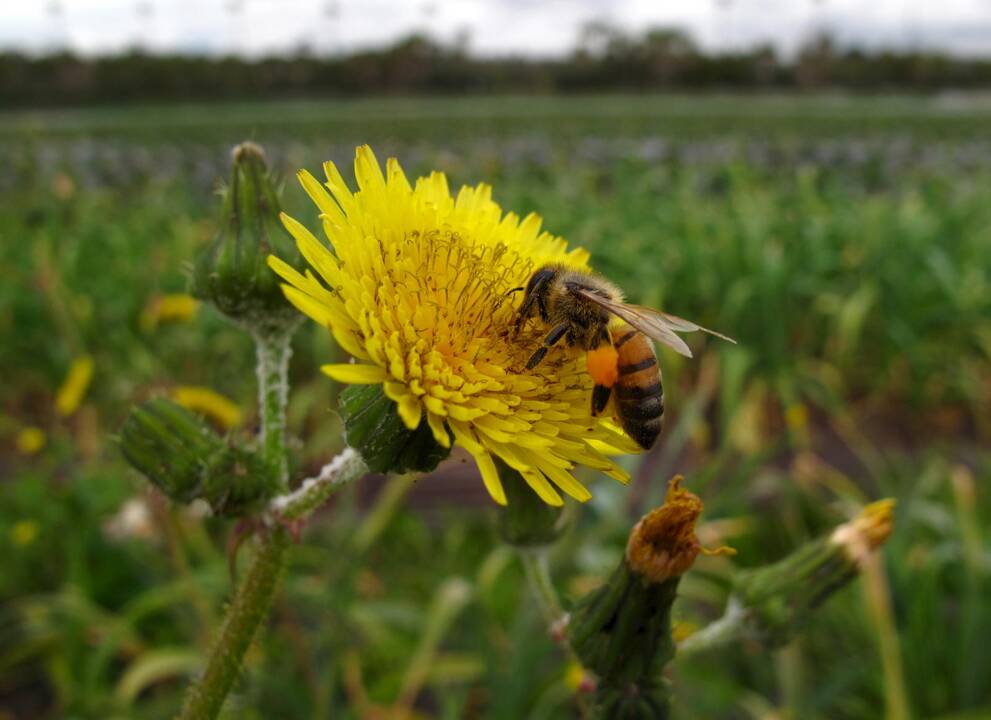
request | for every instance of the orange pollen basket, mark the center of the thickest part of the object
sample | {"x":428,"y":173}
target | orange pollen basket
{"x":602,"y":365}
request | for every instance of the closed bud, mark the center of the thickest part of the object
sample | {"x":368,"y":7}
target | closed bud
{"x":778,"y":600}
{"x":187,"y":460}
{"x":622,"y":630}
{"x":232,"y":272}
{"x":374,"y":428}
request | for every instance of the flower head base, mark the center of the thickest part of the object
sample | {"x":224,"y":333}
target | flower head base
{"x":417,"y":287}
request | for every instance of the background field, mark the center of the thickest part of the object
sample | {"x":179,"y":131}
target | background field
{"x":845,"y":242}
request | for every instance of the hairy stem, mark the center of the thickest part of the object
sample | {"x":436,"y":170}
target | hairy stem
{"x":538,"y":577}
{"x":248,"y":609}
{"x":723,"y":631}
{"x":314,"y":491}
{"x":254,"y":596}
{"x":273,"y":352}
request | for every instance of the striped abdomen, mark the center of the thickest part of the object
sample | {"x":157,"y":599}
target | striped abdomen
{"x":639,"y":395}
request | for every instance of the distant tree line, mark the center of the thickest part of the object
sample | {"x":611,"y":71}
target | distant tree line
{"x":604,"y":59}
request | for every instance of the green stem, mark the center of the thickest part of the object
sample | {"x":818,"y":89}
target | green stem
{"x":273,"y":352}
{"x":727,"y":629}
{"x":538,"y":577}
{"x":254,"y":596}
{"x":249,"y":608}
{"x":314,"y":491}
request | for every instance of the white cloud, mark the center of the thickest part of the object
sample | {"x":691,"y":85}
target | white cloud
{"x":549,"y":27}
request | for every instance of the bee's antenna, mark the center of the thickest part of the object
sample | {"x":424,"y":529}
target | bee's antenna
{"x":516,"y":290}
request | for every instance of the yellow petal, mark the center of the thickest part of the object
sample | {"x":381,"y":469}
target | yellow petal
{"x":490,"y":476}
{"x":320,"y":197}
{"x":367,"y":171}
{"x":436,"y":424}
{"x":536,"y":480}
{"x":209,"y":402}
{"x":355,"y":373}
{"x":73,"y":389}
{"x":410,"y":411}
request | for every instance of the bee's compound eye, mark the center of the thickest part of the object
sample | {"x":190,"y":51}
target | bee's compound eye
{"x":539,"y":278}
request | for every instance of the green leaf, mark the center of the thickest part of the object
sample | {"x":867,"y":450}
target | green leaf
{"x":153,"y":667}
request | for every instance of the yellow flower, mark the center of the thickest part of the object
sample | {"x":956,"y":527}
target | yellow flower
{"x":209,"y":402}
{"x":574,"y":676}
{"x":417,"y":288}
{"x":30,"y":440}
{"x":175,"y":307}
{"x":24,"y":532}
{"x":70,"y":395}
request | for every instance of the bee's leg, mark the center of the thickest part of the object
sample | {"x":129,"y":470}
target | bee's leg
{"x":600,"y":398}
{"x":550,"y":341}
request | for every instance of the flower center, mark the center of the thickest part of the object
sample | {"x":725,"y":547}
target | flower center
{"x":459,"y":290}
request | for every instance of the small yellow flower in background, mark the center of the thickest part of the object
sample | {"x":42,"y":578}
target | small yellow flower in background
{"x":209,"y":402}
{"x":797,"y":416}
{"x":681,"y":629}
{"x":417,"y":289}
{"x":73,"y":389}
{"x":574,"y":676}
{"x":24,"y":532}
{"x":30,"y":440}
{"x":175,"y":307}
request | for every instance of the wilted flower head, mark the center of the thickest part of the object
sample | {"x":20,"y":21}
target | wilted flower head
{"x":663,"y":544}
{"x":866,"y":532}
{"x":416,"y":285}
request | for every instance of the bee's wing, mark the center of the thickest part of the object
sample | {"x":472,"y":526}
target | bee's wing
{"x":652,"y":323}
{"x":682,"y":325}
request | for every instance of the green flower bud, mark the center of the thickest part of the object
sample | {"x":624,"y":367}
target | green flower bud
{"x":187,"y":460}
{"x":634,"y":702}
{"x":526,"y":520}
{"x":373,"y":428}
{"x":622,"y":630}
{"x":232,"y":272}
{"x":776,"y":601}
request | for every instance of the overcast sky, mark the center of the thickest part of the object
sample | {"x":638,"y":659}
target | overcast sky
{"x":550,"y":27}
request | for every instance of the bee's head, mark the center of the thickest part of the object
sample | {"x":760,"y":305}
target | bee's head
{"x":535,"y":293}
{"x":540,"y":282}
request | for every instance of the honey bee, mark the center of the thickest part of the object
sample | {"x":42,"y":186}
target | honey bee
{"x":579,"y":307}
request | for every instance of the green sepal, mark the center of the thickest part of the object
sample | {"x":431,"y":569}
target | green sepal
{"x":633,"y":702}
{"x":373,"y":428}
{"x":185,"y":459}
{"x":526,"y":520}
{"x":622,"y":630}
{"x":779,"y":599}
{"x":232,"y":272}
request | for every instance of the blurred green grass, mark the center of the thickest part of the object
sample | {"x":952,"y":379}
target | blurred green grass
{"x":845,"y":243}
